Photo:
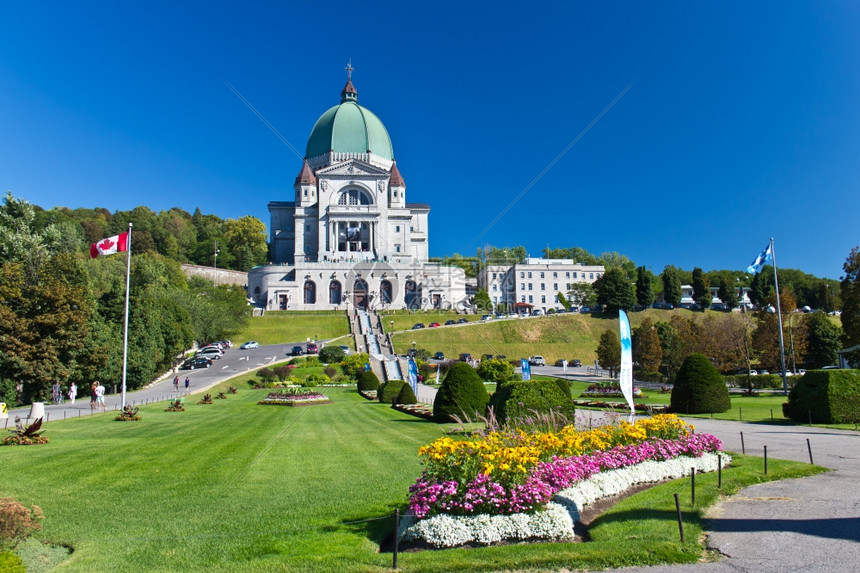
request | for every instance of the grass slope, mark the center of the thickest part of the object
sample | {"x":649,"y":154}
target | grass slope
{"x":276,"y":327}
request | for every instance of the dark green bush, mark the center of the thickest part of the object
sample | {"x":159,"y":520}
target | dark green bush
{"x":828,"y":396}
{"x":407,"y":395}
{"x":522,"y":399}
{"x":331,"y":354}
{"x":367,"y":381}
{"x":699,"y":388}
{"x":461,"y":394}
{"x":565,"y":387}
{"x":266,"y":374}
{"x":388,"y":392}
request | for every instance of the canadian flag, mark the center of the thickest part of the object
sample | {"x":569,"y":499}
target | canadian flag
{"x":110,"y":245}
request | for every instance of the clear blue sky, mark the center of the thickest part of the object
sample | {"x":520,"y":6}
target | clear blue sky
{"x":742,"y":123}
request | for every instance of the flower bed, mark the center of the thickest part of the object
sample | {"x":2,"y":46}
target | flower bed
{"x":295,"y":397}
{"x":420,"y":410}
{"x":517,"y":474}
{"x":650,"y":408}
{"x":609,"y":390}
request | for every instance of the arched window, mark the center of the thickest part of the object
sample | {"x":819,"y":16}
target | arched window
{"x":412,"y":296}
{"x":310,"y":292}
{"x":385,"y":292}
{"x":354,"y":197}
{"x":334,"y":292}
{"x":359,"y":289}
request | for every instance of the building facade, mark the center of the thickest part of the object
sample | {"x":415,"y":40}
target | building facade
{"x":349,"y":237}
{"x":535,"y":282}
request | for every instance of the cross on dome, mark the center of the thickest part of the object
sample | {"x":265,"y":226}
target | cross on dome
{"x":349,"y":69}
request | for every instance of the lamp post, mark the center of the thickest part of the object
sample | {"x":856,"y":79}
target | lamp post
{"x":772,"y":310}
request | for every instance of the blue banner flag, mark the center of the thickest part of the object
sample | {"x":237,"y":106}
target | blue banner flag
{"x":626,"y":376}
{"x":760,"y":261}
{"x":527,"y":370}
{"x":413,"y":376}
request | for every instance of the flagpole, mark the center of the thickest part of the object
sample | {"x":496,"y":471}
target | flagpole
{"x":125,"y":327}
{"x":779,"y":319}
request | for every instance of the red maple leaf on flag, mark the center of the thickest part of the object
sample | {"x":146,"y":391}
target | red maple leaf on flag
{"x":106,"y":244}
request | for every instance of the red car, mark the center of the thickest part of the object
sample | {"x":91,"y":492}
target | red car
{"x":312,"y":349}
{"x":434,"y":324}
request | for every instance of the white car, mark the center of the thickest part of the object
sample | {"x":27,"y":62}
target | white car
{"x":345,"y":349}
{"x":210,"y":352}
{"x":250,"y":344}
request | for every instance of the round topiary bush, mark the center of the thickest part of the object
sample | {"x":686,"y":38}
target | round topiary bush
{"x":331,"y":354}
{"x":699,"y":388}
{"x":519,"y":400}
{"x":367,"y":381}
{"x":564,"y":385}
{"x":406,"y":395}
{"x":461,"y":394}
{"x":389,"y":391}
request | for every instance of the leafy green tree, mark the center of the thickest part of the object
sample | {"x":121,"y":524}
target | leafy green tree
{"x":246,"y":240}
{"x":761,"y":287}
{"x":582,"y":294}
{"x":644,"y":292}
{"x":614,"y":291}
{"x":671,"y":286}
{"x":576,"y":254}
{"x":482,"y":302}
{"x":701,"y":288}
{"x":21,"y":238}
{"x":609,"y":352}
{"x":647,"y":352}
{"x":824,"y":340}
{"x":851,"y":300}
{"x":615,"y":260}
{"x":563,"y":300}
{"x":727,"y":293}
{"x":498,"y":371}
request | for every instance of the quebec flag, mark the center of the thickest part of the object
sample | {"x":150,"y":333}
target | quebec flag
{"x":760,"y":261}
{"x":626,"y":374}
{"x":412,"y":375}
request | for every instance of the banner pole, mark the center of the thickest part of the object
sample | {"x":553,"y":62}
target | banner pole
{"x":779,"y":319}
{"x":125,"y":326}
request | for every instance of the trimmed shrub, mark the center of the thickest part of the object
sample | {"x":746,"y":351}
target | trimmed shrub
{"x":367,"y":381}
{"x":699,"y":388}
{"x":315,"y":380}
{"x":565,"y":387}
{"x":353,"y":364}
{"x":331,"y":354}
{"x":828,"y":396}
{"x":330,"y":372}
{"x":389,"y":391}
{"x":461,"y":394}
{"x":522,"y":399}
{"x":406,"y":395}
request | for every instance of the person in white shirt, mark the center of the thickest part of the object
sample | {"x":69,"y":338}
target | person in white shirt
{"x":73,"y":392}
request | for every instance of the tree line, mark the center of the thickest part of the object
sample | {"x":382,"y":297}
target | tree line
{"x":61,"y":312}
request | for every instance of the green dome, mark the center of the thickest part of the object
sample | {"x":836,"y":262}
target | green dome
{"x":349,"y":128}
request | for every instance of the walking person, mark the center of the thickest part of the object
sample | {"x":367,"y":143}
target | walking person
{"x":93,"y":395}
{"x":73,"y":392}
{"x":187,"y":384}
{"x":100,"y":397}
{"x":56,"y":393}
{"x":176,"y":384}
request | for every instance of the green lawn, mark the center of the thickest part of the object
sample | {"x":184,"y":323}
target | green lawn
{"x":276,"y":327}
{"x":234,"y":486}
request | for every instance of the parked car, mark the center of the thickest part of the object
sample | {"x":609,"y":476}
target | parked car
{"x":537,"y":360}
{"x":210,"y":352}
{"x":462,"y":321}
{"x":250,"y":344}
{"x":435,"y":325}
{"x":465,"y":357}
{"x":487,"y":357}
{"x":487,"y":317}
{"x":196,"y":362}
{"x":225,"y":344}
{"x":345,"y":349}
{"x":537,"y":312}
{"x":297,"y":351}
{"x":450,"y":322}
{"x":576,"y":363}
{"x":439,"y":356}
{"x":418,"y":326}
{"x":312,"y":348}
{"x":586,"y":309}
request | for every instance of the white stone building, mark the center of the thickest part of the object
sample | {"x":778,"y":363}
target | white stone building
{"x":349,"y":238}
{"x":535,"y":282}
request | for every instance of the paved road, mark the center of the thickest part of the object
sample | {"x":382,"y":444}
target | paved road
{"x":234,"y":361}
{"x":803,"y":525}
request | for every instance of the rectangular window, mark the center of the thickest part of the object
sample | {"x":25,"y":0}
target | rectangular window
{"x":542,"y":286}
{"x":396,"y":248}
{"x":396,"y":228}
{"x":567,"y":275}
{"x":555,"y":287}
{"x":556,"y":299}
{"x":541,"y":274}
{"x":495,"y":286}
{"x":555,"y":275}
{"x":523,"y":298}
{"x":574,"y":274}
{"x":530,"y":286}
{"x":530,"y":274}
{"x":522,"y":275}
{"x":592,"y":276}
{"x":530,"y":299}
{"x":543,"y":299}
{"x":494,"y":276}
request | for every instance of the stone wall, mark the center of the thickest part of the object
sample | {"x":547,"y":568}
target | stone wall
{"x":219,"y":276}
